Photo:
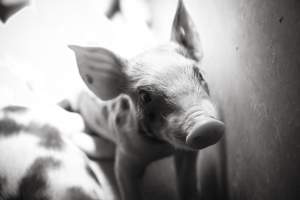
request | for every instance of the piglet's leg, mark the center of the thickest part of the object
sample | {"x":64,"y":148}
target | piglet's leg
{"x":185,"y":162}
{"x":129,"y":172}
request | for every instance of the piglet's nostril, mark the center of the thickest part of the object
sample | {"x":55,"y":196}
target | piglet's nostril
{"x":206,"y":132}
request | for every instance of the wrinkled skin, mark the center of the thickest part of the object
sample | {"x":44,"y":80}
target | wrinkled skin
{"x":171,"y":98}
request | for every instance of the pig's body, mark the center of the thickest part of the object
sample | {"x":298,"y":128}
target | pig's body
{"x":174,"y":110}
{"x":40,"y":156}
{"x":38,"y":162}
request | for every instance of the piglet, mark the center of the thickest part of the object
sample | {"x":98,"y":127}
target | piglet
{"x":174,"y":110}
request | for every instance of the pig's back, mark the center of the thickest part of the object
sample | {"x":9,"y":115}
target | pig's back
{"x":38,"y":162}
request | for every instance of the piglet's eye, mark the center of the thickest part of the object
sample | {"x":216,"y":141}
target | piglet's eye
{"x":144,"y":96}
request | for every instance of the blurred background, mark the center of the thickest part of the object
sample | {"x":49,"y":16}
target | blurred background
{"x":251,"y":60}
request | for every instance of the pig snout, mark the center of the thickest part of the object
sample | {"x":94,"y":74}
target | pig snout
{"x":202,"y":126}
{"x":205,"y":132}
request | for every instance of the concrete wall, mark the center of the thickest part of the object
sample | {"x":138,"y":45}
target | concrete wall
{"x":252,"y":62}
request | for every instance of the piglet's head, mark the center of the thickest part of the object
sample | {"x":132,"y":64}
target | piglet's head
{"x":166,"y":85}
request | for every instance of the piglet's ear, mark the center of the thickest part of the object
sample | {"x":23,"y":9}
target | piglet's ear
{"x":102,"y":71}
{"x":184,"y":32}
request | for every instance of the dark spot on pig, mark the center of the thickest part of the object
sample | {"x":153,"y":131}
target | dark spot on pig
{"x":124,"y":104}
{"x":77,"y":193}
{"x":281,"y":19}
{"x":89,"y":79}
{"x":9,"y":126}
{"x":50,"y":137}
{"x":92,"y":174}
{"x":34,"y":184}
{"x":236,"y":48}
{"x":16,"y":109}
{"x":104,"y":111}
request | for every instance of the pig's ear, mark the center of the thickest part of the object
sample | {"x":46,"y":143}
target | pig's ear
{"x":184,"y":32}
{"x":102,"y":71}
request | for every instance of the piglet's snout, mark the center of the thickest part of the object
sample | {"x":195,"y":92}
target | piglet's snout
{"x":205,"y":132}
